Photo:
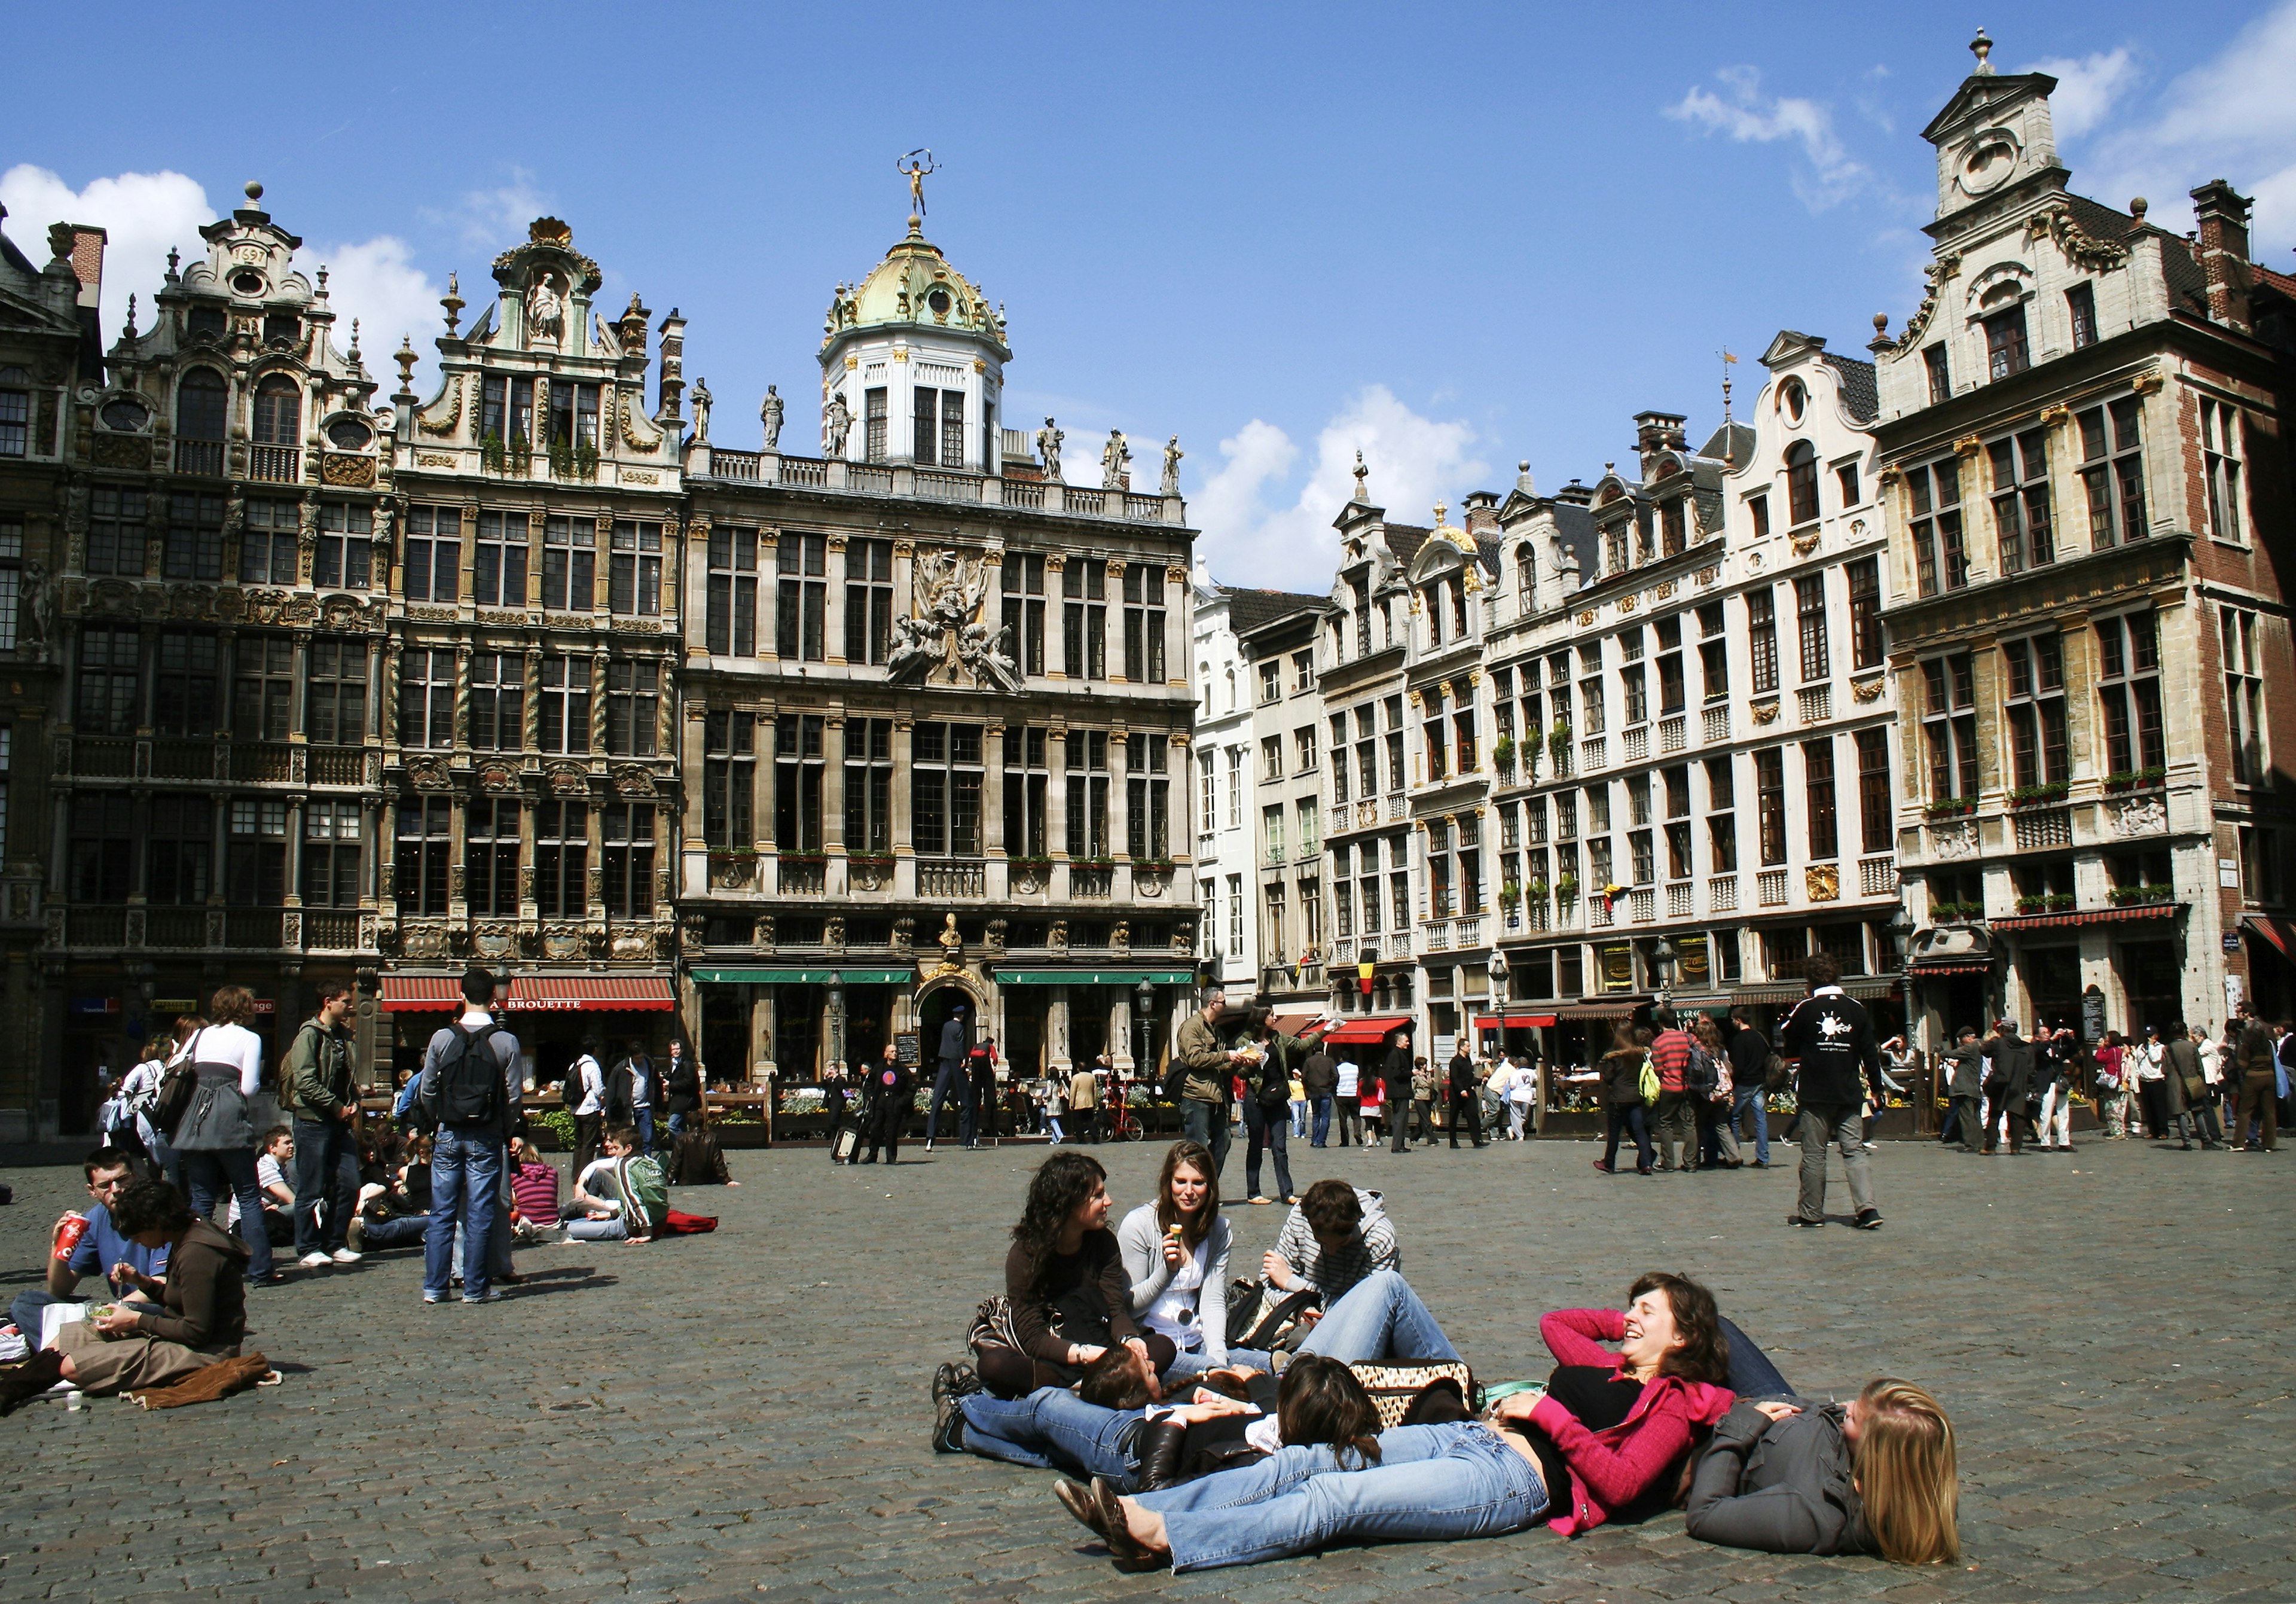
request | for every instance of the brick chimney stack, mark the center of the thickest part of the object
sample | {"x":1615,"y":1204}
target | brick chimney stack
{"x":1480,"y":513}
{"x":82,"y":245}
{"x":2222,"y":214}
{"x":1655,"y":433}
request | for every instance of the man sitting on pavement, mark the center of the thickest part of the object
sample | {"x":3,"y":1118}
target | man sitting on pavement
{"x":271,"y":1157}
{"x":1337,"y":1235}
{"x":100,"y":1250}
{"x":621,"y":1197}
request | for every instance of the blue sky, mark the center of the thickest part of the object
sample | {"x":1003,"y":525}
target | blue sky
{"x":1452,"y":236}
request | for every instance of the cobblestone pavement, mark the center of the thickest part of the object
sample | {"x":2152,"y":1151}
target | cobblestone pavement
{"x":745,"y":1416}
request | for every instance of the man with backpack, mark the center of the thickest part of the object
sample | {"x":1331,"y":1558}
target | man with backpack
{"x":469,"y":1092}
{"x":322,"y":1101}
{"x":1670,"y":1052}
{"x":630,"y":1094}
{"x":1830,"y":1035}
{"x":584,"y":1093}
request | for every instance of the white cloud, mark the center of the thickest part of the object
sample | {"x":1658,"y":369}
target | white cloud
{"x":2087,"y":89}
{"x":1746,"y":115}
{"x":485,"y":215}
{"x":374,"y":281}
{"x":144,"y":214}
{"x":1413,"y":460}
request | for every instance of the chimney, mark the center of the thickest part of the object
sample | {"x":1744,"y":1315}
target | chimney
{"x":1655,"y":433}
{"x":82,"y":245}
{"x":1479,"y":511}
{"x":2222,"y":214}
{"x":673,"y":367}
{"x":1576,"y":494}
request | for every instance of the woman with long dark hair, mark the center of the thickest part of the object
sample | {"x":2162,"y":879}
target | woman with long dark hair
{"x":1621,"y":1071}
{"x":1175,"y":1254}
{"x":1065,"y":1285}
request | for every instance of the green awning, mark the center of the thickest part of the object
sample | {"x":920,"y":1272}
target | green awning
{"x":769,"y":977}
{"x":1095,"y":977}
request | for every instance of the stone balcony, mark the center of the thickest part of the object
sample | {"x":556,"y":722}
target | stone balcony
{"x":902,"y":480}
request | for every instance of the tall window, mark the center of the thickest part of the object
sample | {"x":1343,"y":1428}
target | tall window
{"x":2020,"y":501}
{"x":330,"y":873}
{"x":1864,"y":613}
{"x":178,"y":853}
{"x":506,"y":411}
{"x":2113,"y":472}
{"x":1148,"y":800}
{"x":945,"y":788}
{"x":184,"y":683}
{"x":1949,"y":727}
{"x":800,"y":621}
{"x":334,"y":692}
{"x":1636,"y":687}
{"x":873,"y":419}
{"x":1770,"y":801}
{"x":561,"y":853}
{"x":269,"y":549}
{"x":1235,"y":915}
{"x":255,"y":854}
{"x":939,"y":434}
{"x":2129,"y":689}
{"x":1207,"y":811}
{"x":565,"y":716}
{"x":1088,"y":793}
{"x":347,"y":544}
{"x":1236,"y":787}
{"x":2036,"y":707}
{"x":1802,"y":484}
{"x":1307,"y":808}
{"x":731,"y":619}
{"x":799,"y":764}
{"x":15,"y":411}
{"x":1758,"y":509}
{"x":729,"y":786}
{"x":1817,"y":779}
{"x":627,"y":840}
{"x":633,"y":707}
{"x":1935,"y":363}
{"x":432,"y":565}
{"x":194,"y":548}
{"x":1762,"y":636}
{"x":1438,"y":735}
{"x":1810,"y":612}
{"x":426,"y":838}
{"x":110,"y":673}
{"x":573,"y":414}
{"x":633,"y":578}
{"x":1846,"y":476}
{"x":426,"y":697}
{"x":2080,"y":306}
{"x":117,"y":533}
{"x":2220,"y":432}
{"x":490,"y":847}
{"x":2005,"y":351}
{"x":869,"y":786}
{"x":2244,"y":694}
{"x":499,"y":568}
{"x":497,"y":701}
{"x":1669,"y":666}
{"x":102,"y":848}
{"x":1873,"y":826}
{"x":1933,"y":494}
{"x":952,"y":429}
{"x":263,"y":687}
{"x":868,"y":600}
{"x":202,"y":405}
{"x":1024,"y":612}
{"x":1721,"y":818}
{"x":1143,"y":625}
{"x":569,"y":564}
{"x":1526,"y":579}
{"x":1083,"y":618}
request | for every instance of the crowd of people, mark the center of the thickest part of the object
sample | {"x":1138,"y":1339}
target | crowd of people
{"x":1121,"y":1358}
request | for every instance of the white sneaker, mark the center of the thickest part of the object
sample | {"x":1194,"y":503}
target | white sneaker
{"x":315,"y":1261}
{"x":344,"y":1256}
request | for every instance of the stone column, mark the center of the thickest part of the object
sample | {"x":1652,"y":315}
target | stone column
{"x":1056,"y":792}
{"x":1119,"y":1033}
{"x":832,"y":609}
{"x":992,"y":788}
{"x":1056,"y":1036}
{"x":833,"y":783}
{"x":598,"y":705}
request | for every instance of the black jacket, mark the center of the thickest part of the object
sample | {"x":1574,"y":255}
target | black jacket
{"x":1833,"y":1037}
{"x":621,"y":1090}
{"x":954,"y":1040}
{"x":1623,"y":1077}
{"x":681,"y":1084}
{"x":1782,"y":1487}
{"x":1397,"y":1074}
{"x":1462,"y":1073}
{"x":878,"y":1095}
{"x":1319,"y":1075}
{"x":2009,"y":1078}
{"x":1750,"y":1056}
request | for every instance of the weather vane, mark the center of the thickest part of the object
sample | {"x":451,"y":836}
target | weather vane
{"x":913,"y":166}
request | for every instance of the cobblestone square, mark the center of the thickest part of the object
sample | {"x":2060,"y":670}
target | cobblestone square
{"x":746,"y":1416}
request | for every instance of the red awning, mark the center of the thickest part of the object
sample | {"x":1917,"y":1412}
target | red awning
{"x":422,"y":993}
{"x":2280,"y":933}
{"x":611,"y":992}
{"x":1372,"y":1030}
{"x":1492,"y":1022}
{"x":2092,"y":916}
{"x":1292,"y":1024}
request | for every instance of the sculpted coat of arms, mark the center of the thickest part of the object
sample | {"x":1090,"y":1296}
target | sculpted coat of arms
{"x":947,"y":642}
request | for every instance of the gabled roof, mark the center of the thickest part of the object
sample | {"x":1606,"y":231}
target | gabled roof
{"x":1993,"y":86}
{"x":1574,"y":526}
{"x":1250,"y":610}
{"x":1404,"y":538}
{"x":1858,"y":390}
{"x":1732,"y":443}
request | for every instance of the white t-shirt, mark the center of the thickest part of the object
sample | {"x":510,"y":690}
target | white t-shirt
{"x":1349,"y":1077}
{"x":1181,"y":1294}
{"x":232,"y":1044}
{"x":267,"y":1174}
{"x":590,"y":1080}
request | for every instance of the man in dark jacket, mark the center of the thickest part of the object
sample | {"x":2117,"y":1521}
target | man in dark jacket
{"x":681,"y":1086}
{"x":1830,"y":1036}
{"x":950,"y":1082}
{"x":2255,"y":1079}
{"x":1749,"y":1062}
{"x":1966,"y":1085}
{"x":316,"y":1078}
{"x":1396,"y":1075}
{"x":888,"y":1100}
{"x":632,"y":1091}
{"x":1319,"y":1079}
{"x":1466,"y":1105}
{"x":2008,"y":1085}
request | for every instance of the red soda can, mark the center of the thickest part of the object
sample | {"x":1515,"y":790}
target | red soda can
{"x":67,"y":1235}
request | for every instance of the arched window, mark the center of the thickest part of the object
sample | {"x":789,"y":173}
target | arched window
{"x":202,"y":401}
{"x":278,"y":411}
{"x":1802,"y":483}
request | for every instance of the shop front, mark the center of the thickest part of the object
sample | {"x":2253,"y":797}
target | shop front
{"x":553,"y":1015}
{"x":801,"y":1021}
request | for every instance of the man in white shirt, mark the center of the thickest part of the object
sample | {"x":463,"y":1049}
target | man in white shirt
{"x":1349,"y":1094}
{"x":474,"y":1121}
{"x":270,"y":1162}
{"x":585,"y":1096}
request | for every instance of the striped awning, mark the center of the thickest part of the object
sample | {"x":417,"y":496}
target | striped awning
{"x":1927,"y":971}
{"x":1616,"y":1007}
{"x":540,"y":993}
{"x":2089,"y":916}
{"x":1493,"y":1022}
{"x":421,"y":993}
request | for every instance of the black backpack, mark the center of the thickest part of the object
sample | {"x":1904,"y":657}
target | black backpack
{"x":1700,"y":1076}
{"x":468,"y":1090}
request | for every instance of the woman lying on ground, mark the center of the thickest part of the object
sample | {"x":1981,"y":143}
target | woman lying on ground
{"x":1607,"y":1439}
{"x":1065,"y":1286}
{"x":1176,"y":1252}
{"x":1874,"y":1475}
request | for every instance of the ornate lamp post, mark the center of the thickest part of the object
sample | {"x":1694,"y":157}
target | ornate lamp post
{"x":837,"y":1020}
{"x":1662,"y":963}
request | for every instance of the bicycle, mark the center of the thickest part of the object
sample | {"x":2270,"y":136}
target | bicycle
{"x":1124,"y":1125}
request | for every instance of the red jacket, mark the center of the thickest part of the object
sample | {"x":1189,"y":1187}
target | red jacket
{"x":1610,"y":1469}
{"x":1671,"y":1056}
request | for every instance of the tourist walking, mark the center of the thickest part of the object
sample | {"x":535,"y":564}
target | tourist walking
{"x":2008,"y":1087}
{"x":1966,"y":1085}
{"x":1677,"y":1126}
{"x":1208,"y":1082}
{"x":1319,"y":1080}
{"x":1750,"y":1069}
{"x":215,"y":1141}
{"x":1466,"y":1103}
{"x":1623,"y":1105}
{"x":1828,"y":1036}
{"x":2256,"y":1078}
{"x":1395,"y":1090}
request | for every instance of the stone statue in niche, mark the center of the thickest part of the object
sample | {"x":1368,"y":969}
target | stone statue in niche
{"x":769,"y":413}
{"x":38,"y":634}
{"x":701,"y":398}
{"x":546,"y":311}
{"x":836,"y":423}
{"x":1172,"y":455}
{"x":1048,"y":447}
{"x":1115,"y":458}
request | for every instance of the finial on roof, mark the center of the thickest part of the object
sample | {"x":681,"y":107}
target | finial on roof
{"x":322,"y":281}
{"x":2137,"y":208}
{"x":1880,"y":322}
{"x":174,"y":257}
{"x":1522,"y":480}
{"x":353,"y":354}
{"x":1363,"y":474}
{"x":254,"y":192}
{"x":1981,"y":48}
{"x":129,"y":333}
{"x":454,"y":302}
{"x":1441,"y":508}
{"x":405,"y":357}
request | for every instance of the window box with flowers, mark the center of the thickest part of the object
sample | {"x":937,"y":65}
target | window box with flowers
{"x":1566,"y":890}
{"x":1957,"y":913}
{"x":2039,"y":796}
{"x":1510,"y":894}
{"x":2056,"y":901}
{"x":1502,"y":756}
{"x":2137,"y":896}
{"x":2137,"y":779}
{"x":1558,"y":744}
{"x":1952,"y":807}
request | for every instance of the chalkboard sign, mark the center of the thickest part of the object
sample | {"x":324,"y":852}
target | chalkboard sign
{"x":2093,"y":1015}
{"x":905,"y":1046}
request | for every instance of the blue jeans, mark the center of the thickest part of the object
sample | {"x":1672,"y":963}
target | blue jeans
{"x":404,"y":1231}
{"x":212,"y":1173}
{"x":1186,"y":1364}
{"x":1323,"y":1105}
{"x":326,"y":1173}
{"x":1267,"y":1128}
{"x":466,"y":1177}
{"x":1050,"y":1429}
{"x":679,"y":1124}
{"x":1753,"y":1097}
{"x":954,"y":1087}
{"x":1431,"y":1483}
{"x":642,"y":1118}
{"x":1752,"y":1373}
{"x":1207,"y":1124}
{"x":1377,"y":1319}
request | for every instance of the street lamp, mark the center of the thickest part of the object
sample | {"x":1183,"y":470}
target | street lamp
{"x":837,"y":1019}
{"x":1143,"y":1005}
{"x":1662,"y":963}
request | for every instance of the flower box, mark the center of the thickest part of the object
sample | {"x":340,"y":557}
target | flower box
{"x":2039,"y":796}
{"x":2128,"y":896}
{"x":1957,"y":913}
{"x":2048,"y":902}
{"x":2137,"y":779}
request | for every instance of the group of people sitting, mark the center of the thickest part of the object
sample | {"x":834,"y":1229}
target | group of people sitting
{"x":1110,"y":1358}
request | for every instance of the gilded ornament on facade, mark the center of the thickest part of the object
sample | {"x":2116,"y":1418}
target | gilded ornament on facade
{"x":1823,"y":881}
{"x":1764,"y":712}
{"x":1866,"y":690}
